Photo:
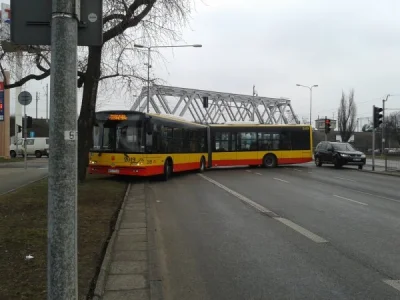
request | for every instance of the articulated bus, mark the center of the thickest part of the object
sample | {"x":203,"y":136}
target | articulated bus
{"x":140,"y":144}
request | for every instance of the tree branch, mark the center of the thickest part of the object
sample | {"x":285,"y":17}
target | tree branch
{"x":109,"y":76}
{"x":128,"y":21}
{"x":112,"y":17}
{"x":26,"y":79}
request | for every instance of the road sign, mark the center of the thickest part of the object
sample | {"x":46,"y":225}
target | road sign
{"x":30,"y":22}
{"x":25,"y":98}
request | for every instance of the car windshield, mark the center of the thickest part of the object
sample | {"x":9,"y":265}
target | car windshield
{"x":343,"y":147}
{"x":119,"y":136}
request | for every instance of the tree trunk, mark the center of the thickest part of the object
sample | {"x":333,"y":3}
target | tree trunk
{"x":87,"y":115}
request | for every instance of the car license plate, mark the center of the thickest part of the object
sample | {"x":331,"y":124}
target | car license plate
{"x":113,"y":171}
{"x":357,"y":159}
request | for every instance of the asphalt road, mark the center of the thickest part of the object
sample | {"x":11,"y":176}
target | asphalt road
{"x":13,"y":174}
{"x":298,"y":232}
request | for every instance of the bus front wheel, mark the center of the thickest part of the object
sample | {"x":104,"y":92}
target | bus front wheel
{"x":167,"y":170}
{"x":270,"y":161}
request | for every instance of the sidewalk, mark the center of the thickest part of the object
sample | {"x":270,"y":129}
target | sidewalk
{"x":125,"y":273}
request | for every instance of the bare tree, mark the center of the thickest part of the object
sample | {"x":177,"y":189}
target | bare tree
{"x":392,"y":126}
{"x":125,"y":22}
{"x":347,"y":116}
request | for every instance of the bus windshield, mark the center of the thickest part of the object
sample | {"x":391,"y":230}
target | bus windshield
{"x":119,"y":136}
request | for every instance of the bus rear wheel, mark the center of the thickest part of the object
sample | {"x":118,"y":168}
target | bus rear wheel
{"x":270,"y":161}
{"x":167,"y":170}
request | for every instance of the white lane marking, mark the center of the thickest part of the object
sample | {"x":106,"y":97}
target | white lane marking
{"x":298,"y":170}
{"x":347,"y":179}
{"x":377,"y":196}
{"x":248,"y":171}
{"x":309,"y":172}
{"x":281,"y":180}
{"x":393,"y":283}
{"x":237,"y":195}
{"x":315,"y":238}
{"x":301,"y":230}
{"x":258,"y":174}
{"x":344,"y":198}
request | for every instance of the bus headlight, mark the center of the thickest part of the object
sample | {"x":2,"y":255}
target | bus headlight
{"x":92,"y":162}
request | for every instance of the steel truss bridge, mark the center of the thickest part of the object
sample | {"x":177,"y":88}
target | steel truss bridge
{"x":222,"y":107}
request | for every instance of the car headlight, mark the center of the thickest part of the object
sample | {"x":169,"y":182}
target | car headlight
{"x":344,"y":155}
{"x":363,"y":156}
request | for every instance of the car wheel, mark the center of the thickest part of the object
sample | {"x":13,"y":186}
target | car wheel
{"x":318,"y":162}
{"x":360,"y":167}
{"x":336,"y":163}
{"x":13,"y":154}
{"x":38,"y":154}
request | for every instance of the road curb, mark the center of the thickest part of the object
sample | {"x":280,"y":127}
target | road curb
{"x":105,"y":265}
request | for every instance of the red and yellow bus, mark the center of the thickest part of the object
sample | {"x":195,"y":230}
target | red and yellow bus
{"x":140,"y":144}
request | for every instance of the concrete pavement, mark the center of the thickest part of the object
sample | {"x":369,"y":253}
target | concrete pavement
{"x":298,"y":232}
{"x":127,"y":271}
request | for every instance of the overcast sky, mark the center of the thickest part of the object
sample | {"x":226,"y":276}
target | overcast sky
{"x":275,"y":44}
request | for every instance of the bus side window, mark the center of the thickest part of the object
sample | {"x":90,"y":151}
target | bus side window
{"x":222,"y":141}
{"x":286,"y":143}
{"x":247,"y":141}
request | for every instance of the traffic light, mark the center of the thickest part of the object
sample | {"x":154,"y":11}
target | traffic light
{"x":205,"y":102}
{"x":327,"y":125}
{"x":377,"y":116}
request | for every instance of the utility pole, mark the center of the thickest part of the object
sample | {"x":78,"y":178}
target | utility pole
{"x":62,"y":273}
{"x":18,"y":106}
{"x":373,"y":149}
{"x":148,"y":80}
{"x":384,"y":129}
{"x":37,"y":102}
{"x":47,"y":102}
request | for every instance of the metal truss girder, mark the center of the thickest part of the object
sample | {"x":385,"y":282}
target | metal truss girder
{"x":225,"y":106}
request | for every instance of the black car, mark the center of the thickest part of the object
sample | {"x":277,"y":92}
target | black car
{"x":338,"y":154}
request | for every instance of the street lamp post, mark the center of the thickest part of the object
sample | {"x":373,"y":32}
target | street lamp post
{"x":148,"y":64}
{"x":310,"y":88}
{"x":383,"y":128}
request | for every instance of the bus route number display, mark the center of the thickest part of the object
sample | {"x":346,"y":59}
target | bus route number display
{"x":118,"y":117}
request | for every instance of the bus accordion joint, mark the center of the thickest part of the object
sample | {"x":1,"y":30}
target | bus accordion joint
{"x":118,"y":117}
